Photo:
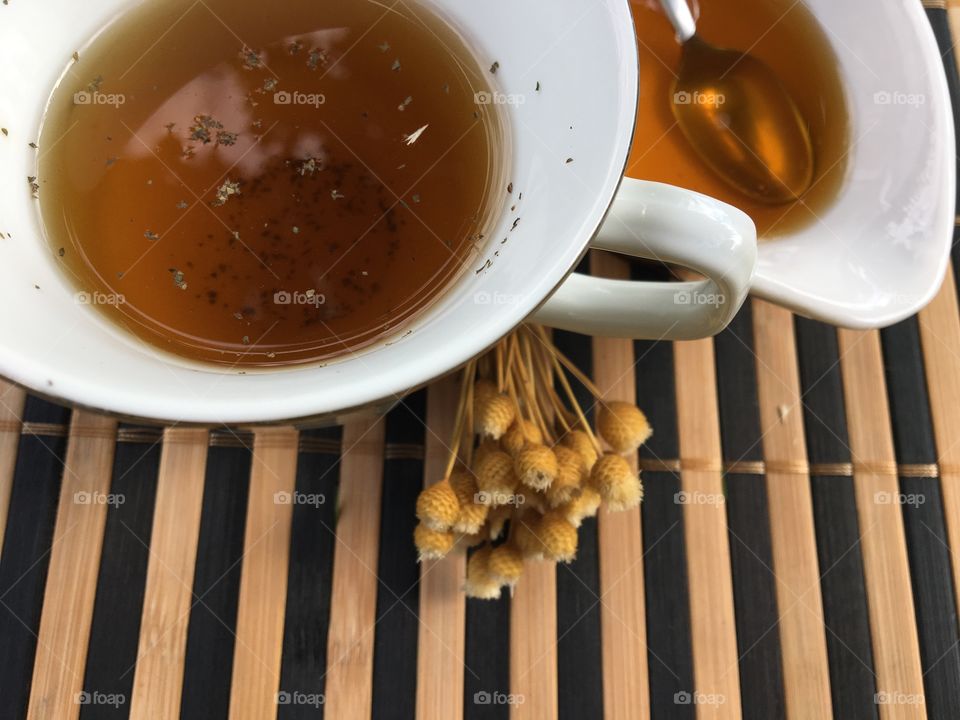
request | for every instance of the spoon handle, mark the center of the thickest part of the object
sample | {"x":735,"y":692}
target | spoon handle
{"x":678,"y":12}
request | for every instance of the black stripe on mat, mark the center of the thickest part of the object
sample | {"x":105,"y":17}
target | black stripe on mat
{"x":26,"y":552}
{"x":115,"y":626}
{"x":852,"y":680}
{"x":398,"y":590}
{"x":216,"y":584}
{"x":579,"y":651}
{"x":748,"y":524}
{"x":666,"y":587}
{"x":487,"y":657}
{"x":303,"y":664}
{"x":926,"y":533}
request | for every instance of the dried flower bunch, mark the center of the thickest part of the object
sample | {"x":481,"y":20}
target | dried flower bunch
{"x":525,"y":466}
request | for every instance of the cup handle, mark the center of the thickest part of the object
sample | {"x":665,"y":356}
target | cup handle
{"x":662,"y":222}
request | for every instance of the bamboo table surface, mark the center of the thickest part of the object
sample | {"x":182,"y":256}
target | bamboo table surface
{"x":797,"y":554}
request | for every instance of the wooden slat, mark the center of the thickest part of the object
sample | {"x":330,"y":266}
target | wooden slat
{"x":940,"y":337}
{"x":72,"y":574}
{"x":626,"y":687}
{"x":713,"y":625}
{"x":168,"y":594}
{"x":805,"y":666}
{"x":12,"y":399}
{"x":263,"y":580}
{"x":889,"y":593}
{"x":440,"y":647}
{"x":353,"y":603}
{"x":533,"y":642}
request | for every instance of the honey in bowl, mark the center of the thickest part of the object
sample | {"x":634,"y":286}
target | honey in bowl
{"x":786,"y":37}
{"x":288,"y":197}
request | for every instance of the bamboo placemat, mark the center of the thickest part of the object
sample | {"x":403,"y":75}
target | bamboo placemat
{"x":797,"y":553}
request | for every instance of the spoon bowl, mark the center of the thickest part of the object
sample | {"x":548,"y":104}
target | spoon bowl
{"x":738,"y":117}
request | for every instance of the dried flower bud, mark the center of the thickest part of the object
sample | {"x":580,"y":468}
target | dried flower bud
{"x":480,"y":583}
{"x":431,"y":544}
{"x":617,"y":483}
{"x":464,"y":485}
{"x":506,"y":564}
{"x":570,"y":476}
{"x":438,"y":507}
{"x":558,"y":536}
{"x":519,"y":434}
{"x":583,"y":506}
{"x":536,"y":466}
{"x":532,"y":432}
{"x":524,"y":534}
{"x":495,"y":416}
{"x":471,"y":518}
{"x":483,"y":390}
{"x":622,"y":425}
{"x":485,"y":447}
{"x":496,"y":479}
{"x":578,"y":440}
{"x":513,"y":439}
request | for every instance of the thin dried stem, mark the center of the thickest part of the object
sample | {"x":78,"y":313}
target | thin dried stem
{"x":576,"y":406}
{"x":483,"y":365}
{"x":567,"y":363}
{"x":532,"y":390}
{"x":511,"y":352}
{"x":512,"y":392}
{"x":465,"y":386}
{"x":499,"y":363}
{"x":548,"y":393}
{"x":466,"y":433}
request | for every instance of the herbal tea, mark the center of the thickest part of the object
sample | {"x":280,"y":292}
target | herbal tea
{"x":784,"y":35}
{"x":265,"y":186}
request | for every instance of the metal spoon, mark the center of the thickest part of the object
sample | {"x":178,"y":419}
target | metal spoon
{"x":738,"y":117}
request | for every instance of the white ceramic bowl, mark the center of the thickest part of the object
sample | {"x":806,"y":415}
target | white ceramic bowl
{"x":879,"y":253}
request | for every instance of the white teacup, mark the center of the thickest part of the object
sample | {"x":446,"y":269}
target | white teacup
{"x":570,"y":140}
